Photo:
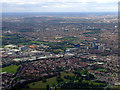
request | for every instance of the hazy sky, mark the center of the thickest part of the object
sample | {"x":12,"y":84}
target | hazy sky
{"x":59,"y":5}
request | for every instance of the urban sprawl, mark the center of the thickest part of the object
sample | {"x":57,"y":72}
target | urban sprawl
{"x":60,"y":51}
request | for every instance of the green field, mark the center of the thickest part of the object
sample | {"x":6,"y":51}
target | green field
{"x":10,"y":69}
{"x":41,"y":84}
{"x":77,"y":41}
{"x":116,"y":87}
{"x":51,"y":81}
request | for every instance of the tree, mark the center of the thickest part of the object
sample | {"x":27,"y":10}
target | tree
{"x":47,"y":87}
{"x":44,"y":79}
{"x":59,"y":74}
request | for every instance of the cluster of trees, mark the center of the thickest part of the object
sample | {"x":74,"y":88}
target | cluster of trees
{"x":82,"y":79}
{"x":83,"y":85}
{"x":13,"y":39}
{"x":30,"y":80}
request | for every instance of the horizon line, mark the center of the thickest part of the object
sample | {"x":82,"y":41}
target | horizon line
{"x":65,"y":12}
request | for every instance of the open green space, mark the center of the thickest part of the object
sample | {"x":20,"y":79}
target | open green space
{"x":67,"y":38}
{"x":39,"y":42}
{"x":41,"y":84}
{"x":51,"y":81}
{"x":100,"y":69}
{"x":65,"y":74}
{"x":72,"y":79}
{"x":77,"y":41}
{"x":116,"y":87}
{"x":10,"y":69}
{"x":14,"y":39}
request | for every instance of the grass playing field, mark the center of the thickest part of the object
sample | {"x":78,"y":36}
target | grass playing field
{"x":10,"y":69}
{"x":51,"y":81}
